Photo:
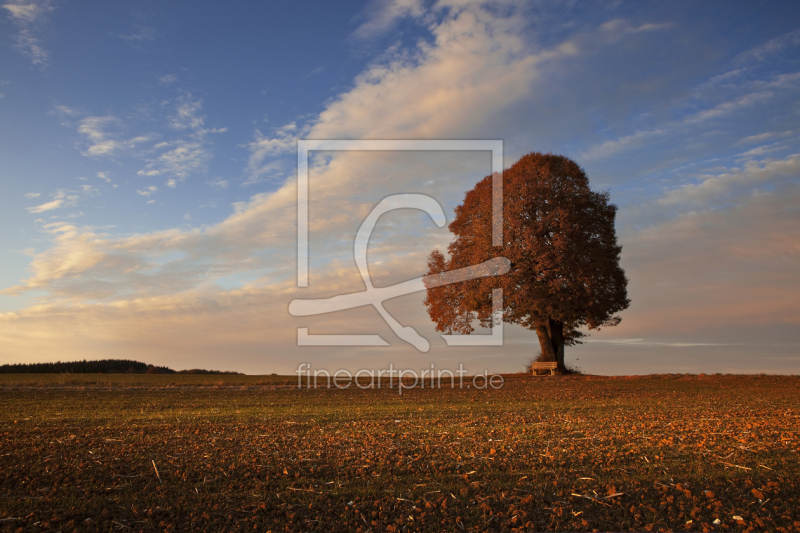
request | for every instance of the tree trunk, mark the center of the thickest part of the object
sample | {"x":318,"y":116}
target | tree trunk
{"x":557,"y":338}
{"x":545,"y":342}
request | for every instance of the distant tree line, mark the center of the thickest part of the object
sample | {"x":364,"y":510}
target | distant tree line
{"x":105,"y":366}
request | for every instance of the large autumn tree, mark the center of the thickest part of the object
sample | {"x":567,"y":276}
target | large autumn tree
{"x":559,"y":236}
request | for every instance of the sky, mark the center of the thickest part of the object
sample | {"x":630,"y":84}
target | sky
{"x":148,"y":173}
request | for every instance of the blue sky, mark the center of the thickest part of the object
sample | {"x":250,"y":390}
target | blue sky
{"x":148,"y":171}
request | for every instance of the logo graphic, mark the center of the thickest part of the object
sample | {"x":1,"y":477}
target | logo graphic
{"x":376,"y":296}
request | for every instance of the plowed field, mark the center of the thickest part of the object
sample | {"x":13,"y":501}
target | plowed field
{"x":656,"y":453}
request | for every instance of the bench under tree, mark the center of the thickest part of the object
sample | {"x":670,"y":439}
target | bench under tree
{"x":544,"y":365}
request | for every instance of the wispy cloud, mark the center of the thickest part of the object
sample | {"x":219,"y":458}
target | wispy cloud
{"x":183,"y":157}
{"x":69,"y":111}
{"x":73,"y":253}
{"x":105,"y":143}
{"x":726,"y":108}
{"x":142,"y":34}
{"x":28,"y":16}
{"x":787,"y":41}
{"x":176,"y":158}
{"x":381,"y":15}
{"x":55,"y":204}
{"x":61,"y":198}
{"x":283,"y":140}
{"x":478,"y":62}
{"x":147,"y":191}
{"x":262,"y":149}
{"x":638,"y":138}
{"x":187,"y":114}
{"x":748,"y":84}
{"x":474,"y":66}
{"x":613,"y":146}
{"x":620,"y":27}
{"x":219,"y":183}
{"x":191,"y":152}
{"x":753,"y":174}
{"x":761,"y":137}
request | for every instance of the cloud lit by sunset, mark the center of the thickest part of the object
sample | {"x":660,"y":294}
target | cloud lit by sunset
{"x":149,"y":172}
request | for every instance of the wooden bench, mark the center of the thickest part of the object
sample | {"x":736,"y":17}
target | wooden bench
{"x":547,"y":365}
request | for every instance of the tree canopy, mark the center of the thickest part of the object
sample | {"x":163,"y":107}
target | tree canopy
{"x":560,"y":238}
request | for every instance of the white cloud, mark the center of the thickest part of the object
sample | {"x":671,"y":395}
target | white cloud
{"x":102,"y":176}
{"x":219,"y":183}
{"x":753,"y":174}
{"x":147,"y":191}
{"x":762,"y":150}
{"x":727,"y":107}
{"x":104,"y":143}
{"x":69,"y":111}
{"x":93,"y":127}
{"x":284,"y":140}
{"x":61,"y":198}
{"x":33,"y":195}
{"x":24,"y":13}
{"x":171,"y":184}
{"x":168,"y":79}
{"x":74,"y":252}
{"x":475,"y":67}
{"x":614,"y":146}
{"x":764,"y":136}
{"x":266,"y":221}
{"x":28,"y":16}
{"x":55,"y":204}
{"x":186,"y":114}
{"x":476,"y":61}
{"x":185,"y":157}
{"x":191,"y":152}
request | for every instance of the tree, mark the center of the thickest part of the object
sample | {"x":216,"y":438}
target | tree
{"x":559,"y":236}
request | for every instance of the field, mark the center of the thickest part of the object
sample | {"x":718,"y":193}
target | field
{"x":655,"y":453}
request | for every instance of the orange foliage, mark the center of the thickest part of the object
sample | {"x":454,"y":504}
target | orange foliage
{"x":559,"y":236}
